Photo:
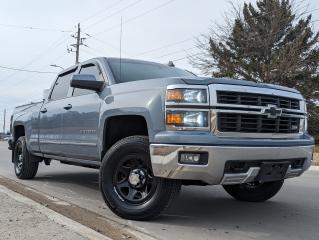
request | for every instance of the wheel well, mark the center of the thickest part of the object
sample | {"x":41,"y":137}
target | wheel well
{"x":119,"y":127}
{"x":18,"y":132}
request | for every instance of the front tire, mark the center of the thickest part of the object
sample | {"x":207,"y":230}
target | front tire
{"x":25,"y":164}
{"x":254,"y":192}
{"x":127,"y":183}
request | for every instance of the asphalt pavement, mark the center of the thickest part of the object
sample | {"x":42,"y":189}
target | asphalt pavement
{"x":199,"y":212}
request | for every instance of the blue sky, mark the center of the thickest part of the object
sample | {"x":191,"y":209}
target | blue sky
{"x":148,"y":25}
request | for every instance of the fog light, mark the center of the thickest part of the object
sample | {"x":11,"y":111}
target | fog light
{"x":193,"y":158}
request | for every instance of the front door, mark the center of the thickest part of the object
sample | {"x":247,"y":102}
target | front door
{"x":81,"y":121}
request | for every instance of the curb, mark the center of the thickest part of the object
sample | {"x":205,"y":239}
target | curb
{"x":56,"y":217}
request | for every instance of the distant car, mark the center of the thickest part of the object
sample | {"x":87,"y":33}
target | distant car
{"x":5,"y":139}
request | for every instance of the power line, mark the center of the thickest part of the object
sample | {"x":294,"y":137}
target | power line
{"x":163,"y":47}
{"x":103,"y":42}
{"x":25,"y":70}
{"x":179,"y":59}
{"x":136,"y":17}
{"x":142,"y":53}
{"x":15,"y":83}
{"x":90,"y":52}
{"x":113,"y":14}
{"x":102,"y":11}
{"x":33,"y":28}
{"x":39,"y":56}
{"x":172,"y":53}
{"x":25,"y":79}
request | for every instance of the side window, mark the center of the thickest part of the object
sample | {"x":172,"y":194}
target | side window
{"x":87,"y":69}
{"x":61,"y":87}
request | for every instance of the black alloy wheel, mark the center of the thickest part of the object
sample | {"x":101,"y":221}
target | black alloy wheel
{"x":133,"y":179}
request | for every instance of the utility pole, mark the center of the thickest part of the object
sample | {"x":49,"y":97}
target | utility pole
{"x":78,"y":37}
{"x":76,"y":46}
{"x":4,"y":121}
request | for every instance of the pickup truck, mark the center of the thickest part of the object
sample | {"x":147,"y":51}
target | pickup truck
{"x":150,"y":128}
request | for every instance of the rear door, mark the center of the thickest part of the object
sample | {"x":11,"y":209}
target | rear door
{"x":50,"y":130}
{"x":81,"y":121}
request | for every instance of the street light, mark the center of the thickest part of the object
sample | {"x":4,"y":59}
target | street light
{"x":57,"y":66}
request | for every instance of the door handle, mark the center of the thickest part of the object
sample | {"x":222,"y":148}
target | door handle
{"x":44,"y":110}
{"x":68,"y":107}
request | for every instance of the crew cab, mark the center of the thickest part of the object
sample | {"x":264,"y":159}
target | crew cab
{"x":150,"y":128}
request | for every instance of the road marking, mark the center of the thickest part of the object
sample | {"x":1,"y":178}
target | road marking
{"x":56,"y":217}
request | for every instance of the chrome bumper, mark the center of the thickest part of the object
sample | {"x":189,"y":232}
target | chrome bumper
{"x":165,"y":162}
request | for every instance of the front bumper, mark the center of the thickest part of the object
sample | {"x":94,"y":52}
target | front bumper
{"x":165,"y":161}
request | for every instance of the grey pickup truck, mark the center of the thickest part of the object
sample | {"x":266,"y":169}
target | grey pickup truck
{"x":150,"y":128}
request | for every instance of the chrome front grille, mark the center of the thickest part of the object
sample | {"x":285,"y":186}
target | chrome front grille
{"x":251,"y":123}
{"x":252,"y":99}
{"x":256,"y":112}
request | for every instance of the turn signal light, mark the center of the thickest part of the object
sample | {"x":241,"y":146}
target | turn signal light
{"x":174,"y":118}
{"x":175,"y":95}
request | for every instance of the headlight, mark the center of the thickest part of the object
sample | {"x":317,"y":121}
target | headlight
{"x":187,"y":95}
{"x":190,"y":119}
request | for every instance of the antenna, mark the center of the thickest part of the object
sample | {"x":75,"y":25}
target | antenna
{"x":121,"y":35}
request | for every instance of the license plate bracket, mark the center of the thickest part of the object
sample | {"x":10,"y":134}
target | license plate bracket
{"x":272,"y":171}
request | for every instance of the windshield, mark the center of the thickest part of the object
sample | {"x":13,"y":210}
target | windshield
{"x":133,"y":70}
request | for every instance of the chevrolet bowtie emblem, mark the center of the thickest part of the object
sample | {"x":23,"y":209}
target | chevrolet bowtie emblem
{"x":271,"y":111}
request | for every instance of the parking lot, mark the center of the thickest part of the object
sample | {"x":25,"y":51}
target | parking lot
{"x":199,"y":212}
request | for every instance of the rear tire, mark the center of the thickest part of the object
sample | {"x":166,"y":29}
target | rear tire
{"x":254,"y":192}
{"x":25,"y":164}
{"x":127,"y":183}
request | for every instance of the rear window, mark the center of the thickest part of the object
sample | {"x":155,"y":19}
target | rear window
{"x":137,"y":70}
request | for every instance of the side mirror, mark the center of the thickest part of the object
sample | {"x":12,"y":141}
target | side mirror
{"x":86,"y":81}
{"x":45,"y":94}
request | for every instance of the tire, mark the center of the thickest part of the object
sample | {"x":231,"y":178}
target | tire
{"x":25,"y":164}
{"x":127,"y":183}
{"x":254,"y":192}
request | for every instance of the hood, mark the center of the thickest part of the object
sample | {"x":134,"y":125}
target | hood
{"x":228,"y":81}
